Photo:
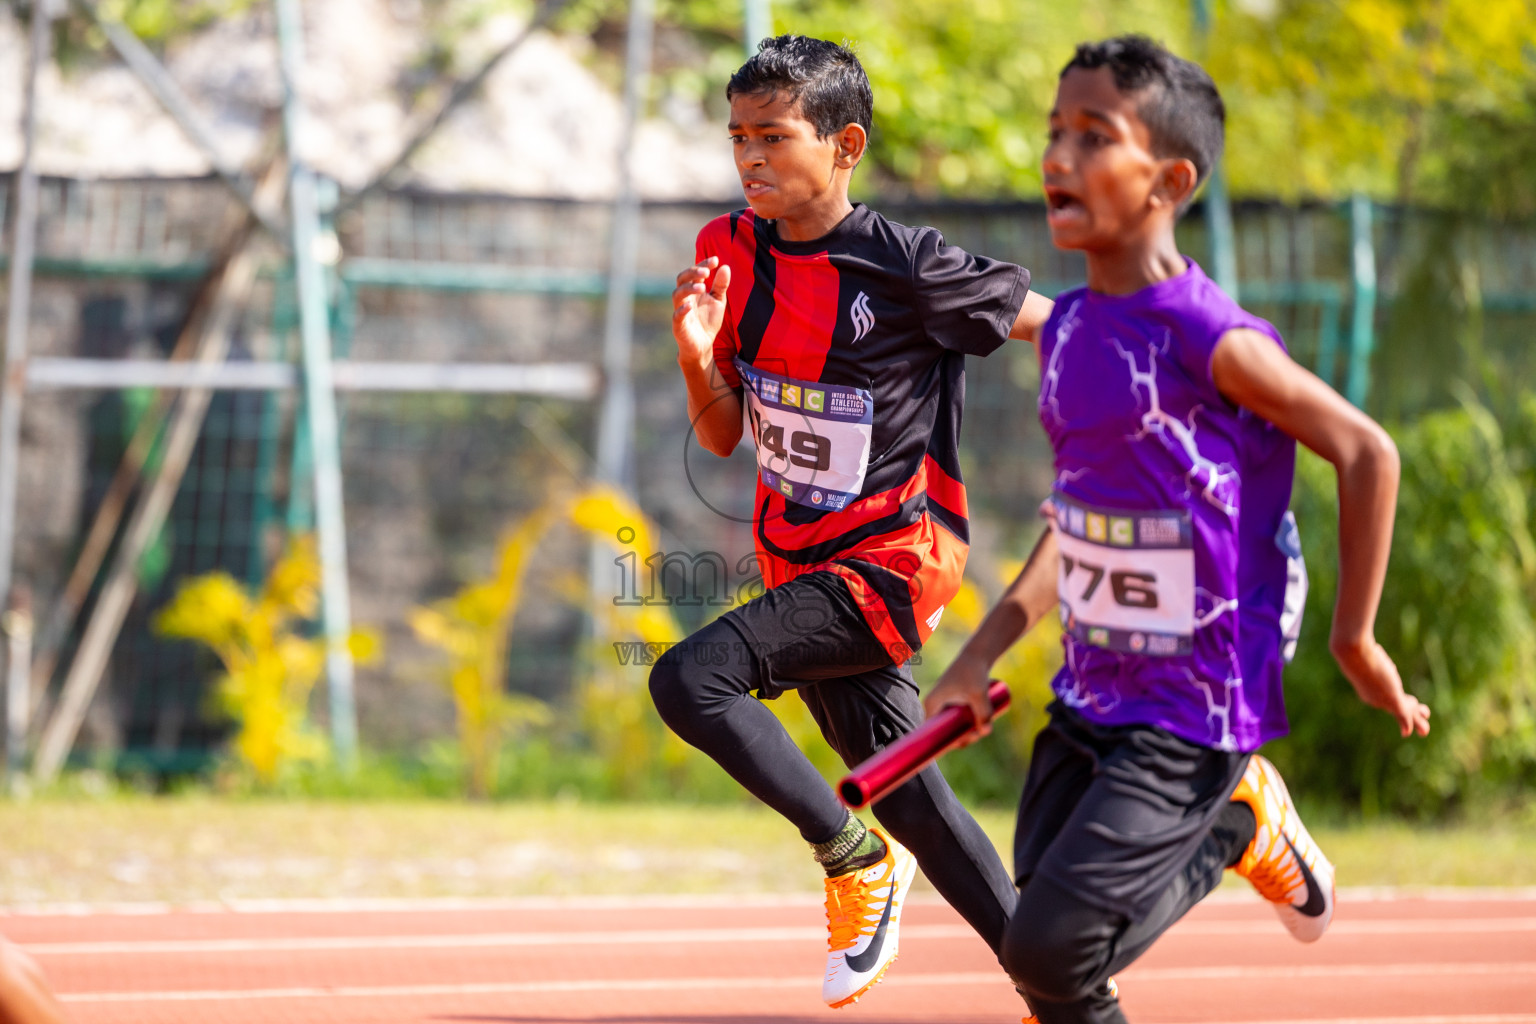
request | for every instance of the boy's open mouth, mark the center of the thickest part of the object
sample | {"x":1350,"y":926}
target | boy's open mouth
{"x":1061,"y":205}
{"x":754,"y":187}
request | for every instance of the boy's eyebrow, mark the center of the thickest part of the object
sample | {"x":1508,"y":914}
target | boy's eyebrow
{"x":1088,"y":112}
{"x":736,"y":125}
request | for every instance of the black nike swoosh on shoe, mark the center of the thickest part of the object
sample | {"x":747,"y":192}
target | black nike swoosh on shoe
{"x":1317,"y":903}
{"x":866,"y":960}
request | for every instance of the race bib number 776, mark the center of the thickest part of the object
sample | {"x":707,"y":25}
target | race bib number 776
{"x":1127,"y":578}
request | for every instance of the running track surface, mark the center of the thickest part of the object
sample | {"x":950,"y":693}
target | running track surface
{"x":1435,"y":959}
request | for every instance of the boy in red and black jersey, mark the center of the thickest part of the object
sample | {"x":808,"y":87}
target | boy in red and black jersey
{"x":848,"y":353}
{"x":838,"y":339}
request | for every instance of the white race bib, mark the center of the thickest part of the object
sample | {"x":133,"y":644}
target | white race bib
{"x":1288,"y":540}
{"x":812,"y":439}
{"x":1127,"y":579}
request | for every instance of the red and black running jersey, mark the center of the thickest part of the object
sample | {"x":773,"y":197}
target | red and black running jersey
{"x":849,"y":354}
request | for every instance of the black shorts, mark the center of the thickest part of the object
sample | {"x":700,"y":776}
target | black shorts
{"x":810,"y":631}
{"x":807,"y":630}
{"x":1113,"y":813}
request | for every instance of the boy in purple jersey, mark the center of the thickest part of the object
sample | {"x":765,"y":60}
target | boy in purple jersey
{"x":1173,"y":416}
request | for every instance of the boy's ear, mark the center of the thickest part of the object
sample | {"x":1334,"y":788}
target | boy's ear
{"x":851,"y":143}
{"x":1176,"y":182}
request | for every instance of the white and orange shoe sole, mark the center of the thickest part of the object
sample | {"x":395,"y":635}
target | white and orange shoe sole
{"x":880,"y":891}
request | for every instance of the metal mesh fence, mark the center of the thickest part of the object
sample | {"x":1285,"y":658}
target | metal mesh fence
{"x":432,"y":479}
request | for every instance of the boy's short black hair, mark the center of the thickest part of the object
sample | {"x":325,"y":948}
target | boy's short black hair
{"x":1179,"y":103}
{"x":826,"y":80}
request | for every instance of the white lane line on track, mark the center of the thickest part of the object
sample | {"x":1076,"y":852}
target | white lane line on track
{"x":1370,"y":926}
{"x":1236,"y":973}
{"x":484,"y":988}
{"x":655,"y":936}
{"x":435,"y":904}
{"x":695,"y":936}
{"x":966,"y":978}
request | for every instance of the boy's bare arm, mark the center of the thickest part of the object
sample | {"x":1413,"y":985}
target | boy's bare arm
{"x":1251,"y":370}
{"x":698,"y":312}
{"x":1031,"y":318}
{"x":1030,"y":598}
{"x":25,"y":997}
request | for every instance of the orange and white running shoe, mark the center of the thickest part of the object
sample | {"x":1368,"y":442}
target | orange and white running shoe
{"x":863,"y":912}
{"x":1283,"y":862}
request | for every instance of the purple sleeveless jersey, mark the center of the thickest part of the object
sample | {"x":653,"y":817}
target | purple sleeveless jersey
{"x":1181,"y":577}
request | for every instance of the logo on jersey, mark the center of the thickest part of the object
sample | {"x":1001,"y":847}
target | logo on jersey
{"x":863,"y":318}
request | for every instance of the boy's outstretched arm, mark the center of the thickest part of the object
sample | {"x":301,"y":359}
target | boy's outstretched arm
{"x":1031,"y":318}
{"x":1251,"y":370}
{"x":1030,"y":598}
{"x":698,"y":311}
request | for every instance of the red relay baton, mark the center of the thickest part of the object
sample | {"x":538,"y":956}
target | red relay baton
{"x":880,"y":774}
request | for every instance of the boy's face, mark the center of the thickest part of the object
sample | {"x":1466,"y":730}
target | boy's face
{"x":785,"y":169}
{"x":1104,"y":187}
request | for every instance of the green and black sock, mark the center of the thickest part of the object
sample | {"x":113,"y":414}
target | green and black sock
{"x":853,"y":847}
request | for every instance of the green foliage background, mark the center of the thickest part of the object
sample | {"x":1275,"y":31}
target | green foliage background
{"x":1432,"y":103}
{"x":1456,"y":616}
{"x":1403,"y":99}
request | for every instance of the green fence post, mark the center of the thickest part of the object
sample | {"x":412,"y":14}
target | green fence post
{"x":19,"y":294}
{"x":312,"y":248}
{"x":301,"y":468}
{"x":264,"y":509}
{"x":1218,"y":213}
{"x":1328,"y":338}
{"x":1218,"y":207}
{"x":1362,"y":332}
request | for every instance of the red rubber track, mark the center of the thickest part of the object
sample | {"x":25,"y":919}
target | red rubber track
{"x":1385,"y":961}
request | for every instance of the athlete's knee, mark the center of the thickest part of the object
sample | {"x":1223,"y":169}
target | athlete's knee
{"x":1048,"y":970}
{"x":1049,"y":959}
{"x":692,"y":682}
{"x":672,"y":690}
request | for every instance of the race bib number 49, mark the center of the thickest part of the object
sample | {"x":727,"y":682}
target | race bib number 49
{"x":1127,"y":579}
{"x":812,"y":439}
